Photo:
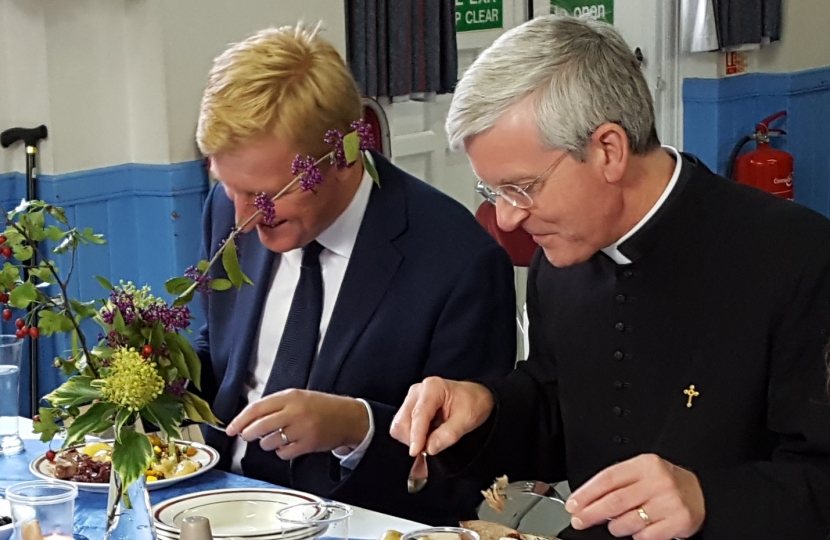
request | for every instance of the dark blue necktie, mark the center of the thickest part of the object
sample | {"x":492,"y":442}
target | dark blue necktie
{"x":295,"y":356}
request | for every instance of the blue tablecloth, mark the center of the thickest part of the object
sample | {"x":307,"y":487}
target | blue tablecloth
{"x":90,"y":507}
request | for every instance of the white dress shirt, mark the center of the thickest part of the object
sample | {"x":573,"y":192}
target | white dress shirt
{"x":612,"y":251}
{"x":338,"y":242}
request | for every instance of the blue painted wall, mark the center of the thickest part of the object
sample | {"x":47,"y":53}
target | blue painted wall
{"x":150,"y":216}
{"x":717,"y":112}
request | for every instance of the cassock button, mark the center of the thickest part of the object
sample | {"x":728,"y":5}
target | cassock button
{"x":628,"y":273}
{"x":618,"y":355}
{"x":617,"y":439}
{"x":620,"y":298}
{"x":618,"y":385}
{"x":620,"y":326}
{"x":618,"y":411}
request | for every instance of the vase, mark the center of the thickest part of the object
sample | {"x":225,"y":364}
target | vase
{"x":129,"y":513}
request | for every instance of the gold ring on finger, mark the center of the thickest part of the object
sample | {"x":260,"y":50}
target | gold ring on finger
{"x":644,"y":516}
{"x":285,"y":440}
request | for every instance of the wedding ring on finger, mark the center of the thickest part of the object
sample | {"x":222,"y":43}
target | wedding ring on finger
{"x":285,"y":440}
{"x":644,"y":516}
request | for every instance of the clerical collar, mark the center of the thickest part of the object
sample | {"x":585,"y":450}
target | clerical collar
{"x":613,"y":250}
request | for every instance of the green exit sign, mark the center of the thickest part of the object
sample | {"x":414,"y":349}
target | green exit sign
{"x":473,"y":15}
{"x":602,"y":10}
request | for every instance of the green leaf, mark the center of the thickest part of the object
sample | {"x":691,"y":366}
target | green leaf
{"x":177,"y":285}
{"x":23,"y":253}
{"x":131,"y":456}
{"x":36,"y":221}
{"x":47,"y":426}
{"x":167,"y":412}
{"x":157,"y":335}
{"x":220,"y":284}
{"x":351,"y":147}
{"x":13,"y":237}
{"x":230,"y":261}
{"x":93,"y":238}
{"x":194,"y":365}
{"x":370,"y":168}
{"x":84,"y":309}
{"x":118,"y":322}
{"x":123,"y":417}
{"x":51,"y":322}
{"x":203,"y":265}
{"x":197,"y":409}
{"x":186,"y":296}
{"x":54,"y":233}
{"x":77,"y":390}
{"x":74,"y":344}
{"x":177,"y":359}
{"x":58,"y":213}
{"x":42,"y":273}
{"x":104,"y":282}
{"x":95,"y":420}
{"x":103,"y":352}
{"x":9,"y":275}
{"x":23,"y":295}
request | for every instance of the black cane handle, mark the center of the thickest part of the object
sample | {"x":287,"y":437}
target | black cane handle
{"x":29,"y":136}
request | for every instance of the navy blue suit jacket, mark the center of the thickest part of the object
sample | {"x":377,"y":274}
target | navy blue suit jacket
{"x":427,"y":292}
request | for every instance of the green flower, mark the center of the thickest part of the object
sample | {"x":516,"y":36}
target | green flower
{"x":132,"y":382}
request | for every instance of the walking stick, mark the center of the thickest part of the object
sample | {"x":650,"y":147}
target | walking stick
{"x":30,"y":138}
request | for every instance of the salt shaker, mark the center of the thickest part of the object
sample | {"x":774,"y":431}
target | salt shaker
{"x":195,"y":528}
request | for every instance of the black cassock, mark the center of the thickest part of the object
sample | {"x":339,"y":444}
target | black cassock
{"x":729,"y":291}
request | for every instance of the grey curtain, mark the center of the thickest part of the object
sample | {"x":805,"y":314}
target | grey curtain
{"x":401,"y":47}
{"x":746,"y":22}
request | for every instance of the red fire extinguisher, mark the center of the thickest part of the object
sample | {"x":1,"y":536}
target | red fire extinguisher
{"x":765,"y":167}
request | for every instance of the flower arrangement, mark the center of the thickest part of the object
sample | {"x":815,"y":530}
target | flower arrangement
{"x":141,"y":366}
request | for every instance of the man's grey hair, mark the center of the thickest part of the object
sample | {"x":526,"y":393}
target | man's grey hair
{"x":580,"y":74}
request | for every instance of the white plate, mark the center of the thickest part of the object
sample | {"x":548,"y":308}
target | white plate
{"x":312,"y":534}
{"x":205,"y":455}
{"x":236,"y":512}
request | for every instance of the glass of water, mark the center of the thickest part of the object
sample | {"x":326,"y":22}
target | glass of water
{"x":43,"y":509}
{"x":11,"y":352}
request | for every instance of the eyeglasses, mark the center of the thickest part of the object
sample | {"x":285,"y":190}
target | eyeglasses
{"x":521,"y":195}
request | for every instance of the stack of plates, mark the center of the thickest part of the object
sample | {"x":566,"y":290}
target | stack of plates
{"x":237,"y":513}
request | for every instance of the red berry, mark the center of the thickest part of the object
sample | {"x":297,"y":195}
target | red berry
{"x":7,"y":252}
{"x":147,"y":351}
{"x":4,"y":297}
{"x":20,"y":334}
{"x":50,"y":455}
{"x":19,"y":323}
{"x":2,"y":239}
{"x":7,"y":315}
{"x":36,"y":418}
{"x":34,"y":332}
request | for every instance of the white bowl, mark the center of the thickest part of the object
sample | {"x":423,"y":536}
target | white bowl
{"x":5,"y":510}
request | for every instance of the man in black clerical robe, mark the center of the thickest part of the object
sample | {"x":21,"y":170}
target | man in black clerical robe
{"x":678,"y":321}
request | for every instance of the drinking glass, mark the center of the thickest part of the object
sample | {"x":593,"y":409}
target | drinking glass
{"x":11,"y":351}
{"x":43,"y":508}
{"x":330,"y":519}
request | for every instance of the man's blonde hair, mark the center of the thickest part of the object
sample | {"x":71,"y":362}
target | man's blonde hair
{"x":286,"y":81}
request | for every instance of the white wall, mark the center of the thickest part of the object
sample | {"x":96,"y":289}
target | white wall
{"x":119,"y":81}
{"x":805,"y":44}
{"x":805,"y":40}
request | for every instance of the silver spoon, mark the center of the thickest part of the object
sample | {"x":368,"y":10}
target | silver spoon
{"x":418,"y":474}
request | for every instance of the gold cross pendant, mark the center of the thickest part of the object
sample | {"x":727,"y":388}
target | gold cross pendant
{"x":691,"y":393}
